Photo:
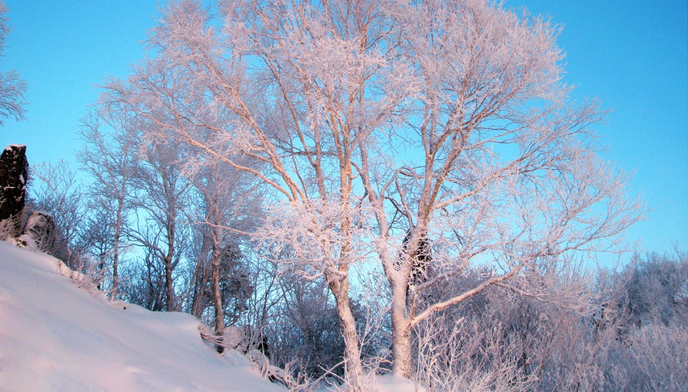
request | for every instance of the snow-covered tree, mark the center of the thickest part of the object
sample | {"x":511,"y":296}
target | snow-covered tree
{"x":160,"y":197}
{"x":12,"y":86}
{"x":500,"y":339}
{"x":227,"y":208}
{"x":429,"y":136}
{"x":657,"y":290}
{"x":109,"y":156}
{"x":55,"y":189}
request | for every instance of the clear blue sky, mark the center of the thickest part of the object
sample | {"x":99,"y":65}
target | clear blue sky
{"x":629,"y":54}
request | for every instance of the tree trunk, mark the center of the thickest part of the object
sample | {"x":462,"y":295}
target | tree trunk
{"x":401,"y":334}
{"x":352,"y":365}
{"x":113,"y":292}
{"x":217,"y":296}
{"x":169,"y":259}
{"x":169,"y":286}
{"x":115,"y":258}
{"x":201,"y":280}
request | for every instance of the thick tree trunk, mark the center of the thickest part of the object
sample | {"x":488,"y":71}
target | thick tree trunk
{"x":401,"y":334}
{"x":402,"y":351}
{"x":353,"y":368}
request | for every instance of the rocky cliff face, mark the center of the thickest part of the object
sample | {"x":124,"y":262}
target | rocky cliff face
{"x":13,"y":177}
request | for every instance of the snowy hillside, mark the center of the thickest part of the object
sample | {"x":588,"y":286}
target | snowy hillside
{"x":56,"y":336}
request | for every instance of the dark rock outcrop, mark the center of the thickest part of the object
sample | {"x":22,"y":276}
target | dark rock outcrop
{"x":13,"y":177}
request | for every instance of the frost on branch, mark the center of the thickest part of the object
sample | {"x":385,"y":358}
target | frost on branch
{"x":12,"y":86}
{"x":444,"y":119}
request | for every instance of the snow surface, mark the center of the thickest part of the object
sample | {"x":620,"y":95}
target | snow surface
{"x":392,"y":383}
{"x":57,"y":336}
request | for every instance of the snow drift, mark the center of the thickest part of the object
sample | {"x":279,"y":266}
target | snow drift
{"x":56,"y":336}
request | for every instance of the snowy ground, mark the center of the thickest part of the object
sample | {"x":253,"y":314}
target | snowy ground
{"x":56,"y":336}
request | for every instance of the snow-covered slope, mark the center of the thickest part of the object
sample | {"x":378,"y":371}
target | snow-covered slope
{"x":56,"y":336}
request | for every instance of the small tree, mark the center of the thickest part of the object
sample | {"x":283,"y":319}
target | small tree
{"x":12,"y":86}
{"x":160,"y":194}
{"x":146,"y":282}
{"x":109,"y":156}
{"x":657,"y":291}
{"x":228,"y":206}
{"x":54,"y":189}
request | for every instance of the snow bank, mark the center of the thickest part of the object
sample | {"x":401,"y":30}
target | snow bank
{"x":391,"y":382}
{"x":55,"y":336}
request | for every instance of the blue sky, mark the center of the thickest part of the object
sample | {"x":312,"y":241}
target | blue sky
{"x":629,"y":54}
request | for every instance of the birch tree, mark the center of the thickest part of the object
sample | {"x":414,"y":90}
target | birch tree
{"x":109,"y":156}
{"x":160,"y":192}
{"x":428,"y":136}
{"x":229,"y":206}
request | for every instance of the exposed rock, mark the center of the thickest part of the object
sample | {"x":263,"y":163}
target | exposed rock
{"x":39,"y":232}
{"x":233,"y":338}
{"x":13,"y":176}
